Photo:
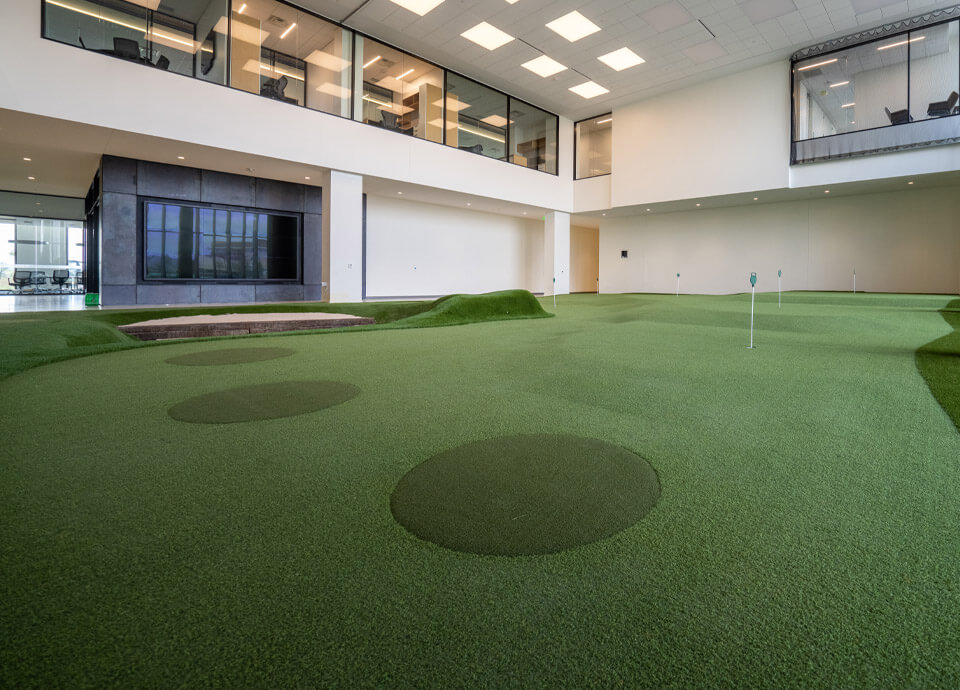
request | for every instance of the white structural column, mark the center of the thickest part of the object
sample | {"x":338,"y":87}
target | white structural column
{"x":556,"y":253}
{"x":343,"y":237}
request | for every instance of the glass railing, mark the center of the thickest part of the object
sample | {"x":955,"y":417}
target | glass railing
{"x":854,"y":100}
{"x":286,"y":54}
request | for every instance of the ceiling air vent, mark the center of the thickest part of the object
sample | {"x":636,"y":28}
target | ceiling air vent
{"x":276,"y":21}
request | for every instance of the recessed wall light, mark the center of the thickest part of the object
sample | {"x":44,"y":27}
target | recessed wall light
{"x":420,"y":7}
{"x":544,"y":66}
{"x":900,"y":43}
{"x":621,"y":59}
{"x":589,"y":89}
{"x":573,"y":26}
{"x":817,"y":64}
{"x":288,"y":30}
{"x":487,"y":35}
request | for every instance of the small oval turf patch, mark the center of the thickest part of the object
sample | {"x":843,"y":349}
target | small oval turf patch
{"x":263,"y":401}
{"x":525,"y":495}
{"x":233,"y":355}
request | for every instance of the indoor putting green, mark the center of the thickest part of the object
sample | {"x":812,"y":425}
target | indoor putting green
{"x":230,"y":355}
{"x":525,"y":495}
{"x":805,"y":533}
{"x":262,"y":401}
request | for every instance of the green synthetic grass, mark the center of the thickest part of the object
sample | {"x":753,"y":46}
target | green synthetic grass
{"x":30,"y":339}
{"x":262,"y":401}
{"x":939,"y":363}
{"x":525,"y":495}
{"x":805,"y":535}
{"x":230,"y":355}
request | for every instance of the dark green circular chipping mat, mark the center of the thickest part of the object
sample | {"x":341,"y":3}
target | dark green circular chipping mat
{"x":525,"y":495}
{"x":233,"y":355}
{"x":263,"y":401}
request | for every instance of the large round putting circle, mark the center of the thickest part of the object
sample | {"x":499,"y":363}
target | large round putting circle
{"x":233,"y":355}
{"x":525,"y":495}
{"x":263,"y":401}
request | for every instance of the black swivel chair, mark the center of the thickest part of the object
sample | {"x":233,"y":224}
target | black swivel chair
{"x":163,"y":62}
{"x":20,"y":280}
{"x":943,"y":108}
{"x":388,"y":120}
{"x":39,"y":279}
{"x":60,"y":278}
{"x":78,"y":283}
{"x":475,"y":148}
{"x":898,"y":117}
{"x":127,"y":48}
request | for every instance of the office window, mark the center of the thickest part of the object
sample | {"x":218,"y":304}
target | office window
{"x":593,"y":141}
{"x":400,"y":92}
{"x":203,"y":243}
{"x":476,"y":117}
{"x":935,"y":71}
{"x":533,"y":137}
{"x":265,"y":39}
{"x":210,"y":58}
{"x":891,"y":93}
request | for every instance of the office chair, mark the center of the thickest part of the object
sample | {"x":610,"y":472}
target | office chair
{"x":388,"y":120}
{"x":38,"y":278}
{"x":60,"y":278}
{"x":898,"y":117}
{"x":943,"y":108}
{"x":126,"y":48}
{"x":78,"y":282}
{"x":163,"y":62}
{"x":20,"y":280}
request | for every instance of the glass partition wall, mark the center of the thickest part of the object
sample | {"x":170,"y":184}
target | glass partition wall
{"x":40,"y":256}
{"x":281,"y":52}
{"x":593,"y":142}
{"x":854,"y":99}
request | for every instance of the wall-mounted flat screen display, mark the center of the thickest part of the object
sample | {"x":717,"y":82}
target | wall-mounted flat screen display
{"x":219,"y":244}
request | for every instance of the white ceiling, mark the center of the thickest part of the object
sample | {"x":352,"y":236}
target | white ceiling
{"x":673,"y":36}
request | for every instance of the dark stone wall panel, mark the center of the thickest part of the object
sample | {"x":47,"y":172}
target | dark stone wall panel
{"x":227,"y":293}
{"x":312,"y":248}
{"x":280,"y":196}
{"x":118,"y":258}
{"x":118,"y":295}
{"x":168,"y":294}
{"x":119,"y":175}
{"x":279,"y":293}
{"x":312,"y":199}
{"x":225,"y":188}
{"x":168,"y":181}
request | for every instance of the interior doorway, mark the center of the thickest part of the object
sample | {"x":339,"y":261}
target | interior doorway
{"x":584,"y":259}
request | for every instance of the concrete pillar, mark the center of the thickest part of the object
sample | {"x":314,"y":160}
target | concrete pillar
{"x":343,"y":237}
{"x":556,"y":253}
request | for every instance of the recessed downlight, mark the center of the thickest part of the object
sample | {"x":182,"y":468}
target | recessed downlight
{"x":420,"y":7}
{"x":621,"y":59}
{"x":180,"y":158}
{"x":573,"y":26}
{"x":31,"y":177}
{"x":487,"y":36}
{"x":589,"y":89}
{"x":544,"y":66}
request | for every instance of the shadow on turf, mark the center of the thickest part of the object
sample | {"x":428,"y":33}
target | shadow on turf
{"x":939,"y":364}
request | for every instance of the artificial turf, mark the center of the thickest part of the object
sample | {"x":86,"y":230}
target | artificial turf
{"x":805,"y":534}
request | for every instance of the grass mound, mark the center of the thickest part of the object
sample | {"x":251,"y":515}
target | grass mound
{"x":939,"y":363}
{"x":263,"y":401}
{"x":525,"y":495}
{"x":233,"y":355}
{"x":491,"y":306}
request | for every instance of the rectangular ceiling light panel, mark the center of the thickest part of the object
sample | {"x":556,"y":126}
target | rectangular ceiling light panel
{"x":573,"y":26}
{"x":487,"y":35}
{"x":589,"y":89}
{"x":544,"y":66}
{"x":621,"y":59}
{"x":420,"y":7}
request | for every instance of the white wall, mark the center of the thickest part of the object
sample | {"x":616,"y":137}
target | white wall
{"x":416,"y":250}
{"x":719,"y":137}
{"x":76,"y":85}
{"x":897,"y":242}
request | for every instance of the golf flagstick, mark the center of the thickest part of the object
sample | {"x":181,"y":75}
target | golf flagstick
{"x":678,"y":285}
{"x":854,"y":281}
{"x":753,"y":293}
{"x":779,"y":275}
{"x":554,"y":292}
